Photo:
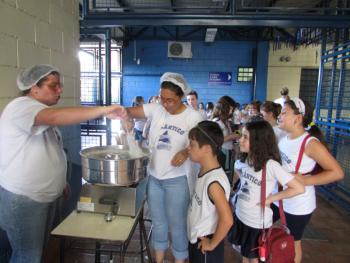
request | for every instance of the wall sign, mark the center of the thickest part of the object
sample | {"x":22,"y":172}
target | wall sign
{"x":220,"y":78}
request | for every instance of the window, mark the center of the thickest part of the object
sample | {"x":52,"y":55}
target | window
{"x":93,"y":90}
{"x":245,"y":74}
{"x":92,"y":73}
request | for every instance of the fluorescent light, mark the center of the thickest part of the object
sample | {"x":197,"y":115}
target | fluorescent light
{"x":210,"y":34}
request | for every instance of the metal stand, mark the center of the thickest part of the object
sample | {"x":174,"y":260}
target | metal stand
{"x":67,"y":229}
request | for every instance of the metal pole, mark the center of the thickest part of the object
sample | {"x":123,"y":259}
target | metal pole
{"x":340,"y":93}
{"x":331,"y":95}
{"x":108,"y":81}
{"x":320,"y":76}
{"x":254,"y":64}
{"x":85,"y":8}
{"x":100,"y":69}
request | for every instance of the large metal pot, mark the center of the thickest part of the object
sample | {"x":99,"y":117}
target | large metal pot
{"x":114,"y":165}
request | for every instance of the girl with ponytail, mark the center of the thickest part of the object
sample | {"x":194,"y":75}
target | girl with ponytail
{"x":270,"y":112}
{"x":296,"y":120}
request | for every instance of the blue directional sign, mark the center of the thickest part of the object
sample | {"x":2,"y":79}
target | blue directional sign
{"x":220,"y":78}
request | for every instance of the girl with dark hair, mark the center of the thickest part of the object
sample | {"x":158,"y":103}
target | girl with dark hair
{"x":296,"y":120}
{"x":228,"y":100}
{"x":270,"y":112}
{"x":258,"y":150}
{"x":222,"y":113}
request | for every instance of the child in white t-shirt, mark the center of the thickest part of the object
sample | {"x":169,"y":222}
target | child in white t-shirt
{"x":209,"y":215}
{"x":258,"y":148}
{"x":296,"y":120}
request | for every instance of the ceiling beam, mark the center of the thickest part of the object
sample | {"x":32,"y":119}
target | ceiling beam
{"x":168,"y":32}
{"x":285,"y":33}
{"x":188,"y":34}
{"x":282,"y":21}
{"x":140,"y":32}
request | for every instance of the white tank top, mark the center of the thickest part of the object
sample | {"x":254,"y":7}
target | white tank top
{"x":305,"y":203}
{"x":202,"y":215}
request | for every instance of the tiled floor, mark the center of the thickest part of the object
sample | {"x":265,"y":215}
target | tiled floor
{"x":327,"y":240}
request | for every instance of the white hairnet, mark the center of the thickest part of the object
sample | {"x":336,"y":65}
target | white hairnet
{"x":31,"y":76}
{"x":177,"y":79}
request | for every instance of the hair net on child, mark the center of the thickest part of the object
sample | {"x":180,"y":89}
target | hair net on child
{"x":177,"y":79}
{"x":31,"y":76}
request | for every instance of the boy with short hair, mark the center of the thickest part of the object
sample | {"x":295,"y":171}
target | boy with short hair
{"x":209,"y":216}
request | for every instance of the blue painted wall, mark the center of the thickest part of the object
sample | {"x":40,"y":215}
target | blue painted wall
{"x":220,"y":56}
{"x":261,"y":70}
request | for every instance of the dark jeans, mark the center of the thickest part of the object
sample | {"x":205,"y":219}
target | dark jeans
{"x":5,"y":247}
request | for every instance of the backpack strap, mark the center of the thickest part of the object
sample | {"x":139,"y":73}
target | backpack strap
{"x":263,"y":193}
{"x":301,"y":152}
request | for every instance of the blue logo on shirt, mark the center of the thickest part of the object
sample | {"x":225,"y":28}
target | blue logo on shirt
{"x":164,"y":142}
{"x":285,"y":158}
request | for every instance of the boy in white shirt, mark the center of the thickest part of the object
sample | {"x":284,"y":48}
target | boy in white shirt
{"x":209,"y":216}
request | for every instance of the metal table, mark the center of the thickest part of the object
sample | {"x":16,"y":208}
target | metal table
{"x":92,"y":226}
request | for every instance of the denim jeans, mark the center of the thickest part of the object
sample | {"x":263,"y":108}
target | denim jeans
{"x":25,"y":222}
{"x":141,"y":192}
{"x":168,"y":202}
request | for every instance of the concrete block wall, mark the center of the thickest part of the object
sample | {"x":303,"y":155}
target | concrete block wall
{"x":282,"y":73}
{"x":42,"y":31}
{"x":143,"y":79}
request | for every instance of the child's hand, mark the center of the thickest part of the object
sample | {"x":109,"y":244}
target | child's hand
{"x":205,"y":245}
{"x":179,"y":158}
{"x":268,"y":201}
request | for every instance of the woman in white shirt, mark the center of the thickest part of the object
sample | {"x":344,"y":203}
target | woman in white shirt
{"x":32,"y":159}
{"x":168,"y":193}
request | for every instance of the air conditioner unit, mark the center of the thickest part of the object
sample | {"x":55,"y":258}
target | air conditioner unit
{"x":179,"y":49}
